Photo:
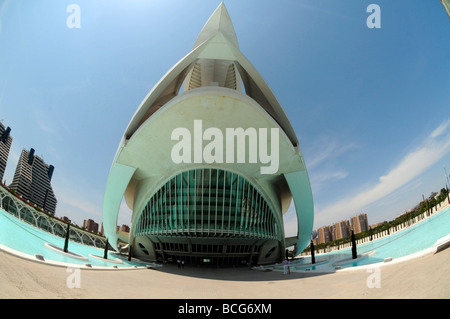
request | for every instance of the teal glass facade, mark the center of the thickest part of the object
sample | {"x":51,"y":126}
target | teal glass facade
{"x":208,"y":202}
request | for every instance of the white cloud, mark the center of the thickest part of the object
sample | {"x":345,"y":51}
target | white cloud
{"x":326,"y":149}
{"x":41,"y":119}
{"x":440,"y":130}
{"x":410,"y":167}
{"x":318,"y":179}
{"x":320,"y":165}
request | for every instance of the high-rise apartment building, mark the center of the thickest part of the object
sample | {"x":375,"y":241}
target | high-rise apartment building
{"x":341,"y":229}
{"x":5,"y":146}
{"x":32,"y":180}
{"x":324,"y":234}
{"x":359,"y":223}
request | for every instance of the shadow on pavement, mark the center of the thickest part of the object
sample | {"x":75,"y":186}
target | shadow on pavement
{"x":233,"y":273}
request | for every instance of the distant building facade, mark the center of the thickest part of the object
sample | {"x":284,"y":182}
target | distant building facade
{"x":359,"y":223}
{"x":32,"y":180}
{"x":377,"y":224}
{"x":5,"y":146}
{"x":324,"y":234}
{"x":341,"y":229}
{"x":90,"y":225}
{"x":66,"y":219}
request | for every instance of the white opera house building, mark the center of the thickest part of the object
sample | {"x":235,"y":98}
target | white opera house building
{"x":209,"y":163}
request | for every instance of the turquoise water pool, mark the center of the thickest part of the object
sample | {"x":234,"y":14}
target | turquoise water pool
{"x":414,"y":239}
{"x":22,"y":237}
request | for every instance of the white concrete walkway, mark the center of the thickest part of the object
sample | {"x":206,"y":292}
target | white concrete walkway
{"x":424,"y":277}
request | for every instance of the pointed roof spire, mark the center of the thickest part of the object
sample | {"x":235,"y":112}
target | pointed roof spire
{"x":219,"y":21}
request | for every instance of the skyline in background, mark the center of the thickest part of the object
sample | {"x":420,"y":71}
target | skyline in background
{"x":370,"y":106}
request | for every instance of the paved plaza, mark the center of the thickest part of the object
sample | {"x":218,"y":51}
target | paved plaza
{"x":422,"y":277}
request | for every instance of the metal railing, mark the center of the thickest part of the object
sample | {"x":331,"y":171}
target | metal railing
{"x":27,"y":212}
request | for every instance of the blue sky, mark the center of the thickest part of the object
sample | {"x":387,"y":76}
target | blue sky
{"x":370,"y":106}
